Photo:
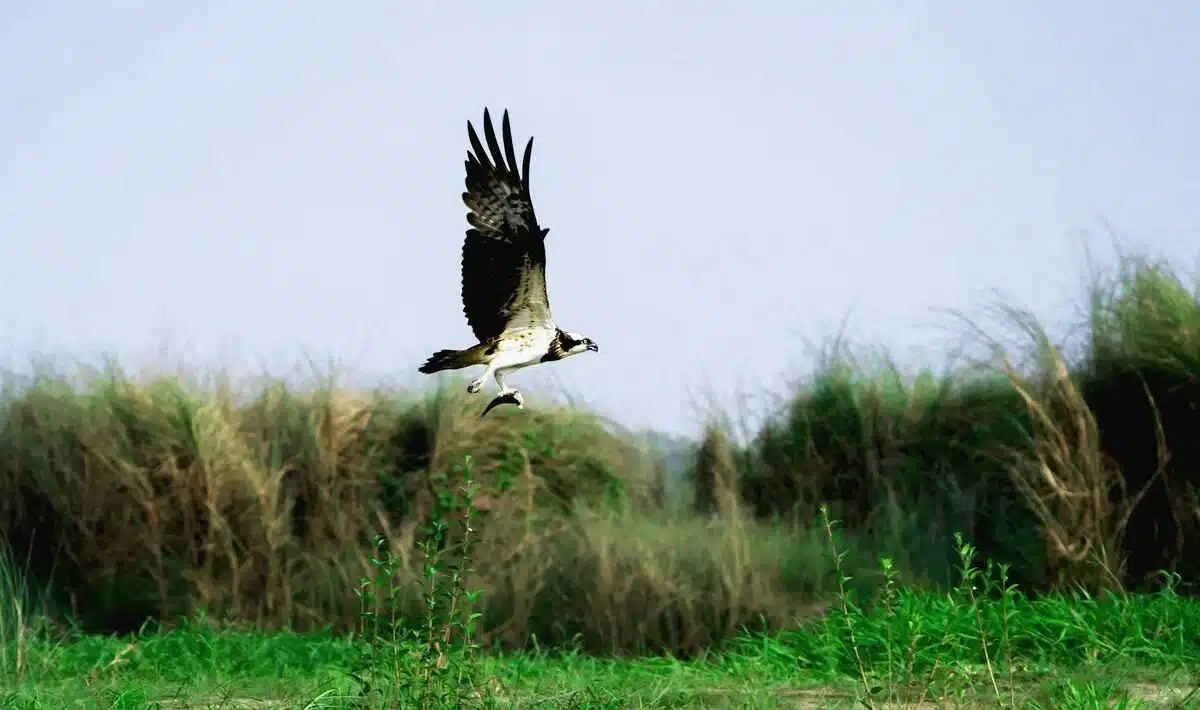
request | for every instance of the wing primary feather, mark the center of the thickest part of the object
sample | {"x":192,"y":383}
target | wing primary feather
{"x":525,"y":165}
{"x":480,"y":156}
{"x":489,"y":134}
{"x":510,"y":155}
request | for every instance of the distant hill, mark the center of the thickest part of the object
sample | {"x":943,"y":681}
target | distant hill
{"x":677,"y":454}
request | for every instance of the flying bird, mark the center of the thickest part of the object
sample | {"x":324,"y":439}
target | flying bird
{"x":504,"y":272}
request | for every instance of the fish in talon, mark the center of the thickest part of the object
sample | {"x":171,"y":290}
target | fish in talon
{"x":511,"y":397}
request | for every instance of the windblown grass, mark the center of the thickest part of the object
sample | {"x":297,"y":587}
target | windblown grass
{"x":22,"y":613}
{"x":149,"y":498}
{"x":1077,"y":470}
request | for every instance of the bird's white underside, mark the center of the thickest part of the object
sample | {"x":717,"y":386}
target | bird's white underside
{"x":519,"y":347}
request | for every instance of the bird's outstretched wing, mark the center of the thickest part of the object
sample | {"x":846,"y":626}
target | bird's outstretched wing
{"x":504,"y":255}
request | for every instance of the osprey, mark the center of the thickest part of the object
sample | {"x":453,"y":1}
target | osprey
{"x":504,"y":272}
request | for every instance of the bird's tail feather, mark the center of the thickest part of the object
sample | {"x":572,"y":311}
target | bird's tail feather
{"x":450,"y":360}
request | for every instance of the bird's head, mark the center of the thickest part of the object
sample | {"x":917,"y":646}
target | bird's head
{"x":575,"y":343}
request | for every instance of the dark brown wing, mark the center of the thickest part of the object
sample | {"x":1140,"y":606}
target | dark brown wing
{"x":504,"y":255}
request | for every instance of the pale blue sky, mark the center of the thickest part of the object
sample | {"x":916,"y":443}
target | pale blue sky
{"x":252,"y":182}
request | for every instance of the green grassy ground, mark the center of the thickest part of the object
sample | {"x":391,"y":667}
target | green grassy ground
{"x":982,"y":644}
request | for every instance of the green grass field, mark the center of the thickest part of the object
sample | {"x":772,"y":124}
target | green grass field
{"x":1019,"y":529}
{"x":981,"y":644}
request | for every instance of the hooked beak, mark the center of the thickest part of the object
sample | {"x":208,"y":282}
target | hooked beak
{"x":592,"y":347}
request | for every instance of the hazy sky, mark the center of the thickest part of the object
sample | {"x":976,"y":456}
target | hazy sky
{"x":254,"y":182}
